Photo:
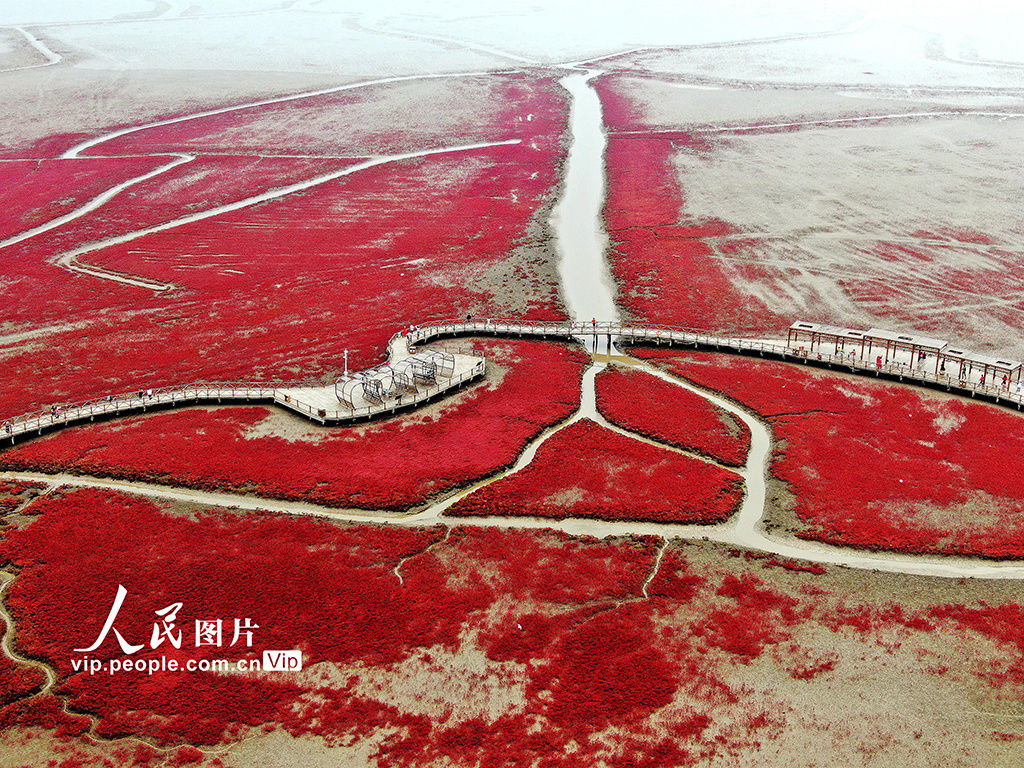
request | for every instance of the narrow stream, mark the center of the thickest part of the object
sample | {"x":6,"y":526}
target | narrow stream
{"x":578,"y":220}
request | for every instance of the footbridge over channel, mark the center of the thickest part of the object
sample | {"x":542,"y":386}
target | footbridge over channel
{"x":413,"y":376}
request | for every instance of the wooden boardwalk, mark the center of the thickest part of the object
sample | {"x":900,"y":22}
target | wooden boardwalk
{"x":314,"y":400}
{"x":317,"y":402}
{"x":898,"y":368}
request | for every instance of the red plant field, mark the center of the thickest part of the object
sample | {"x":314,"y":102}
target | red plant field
{"x":643,"y":403}
{"x":879,"y":465}
{"x":14,"y":494}
{"x":35,"y":191}
{"x":665,"y":271}
{"x":281,"y":289}
{"x":391,"y":464}
{"x":549,"y":652}
{"x":386,"y":118}
{"x":347,"y":608}
{"x":204,"y":182}
{"x":586,"y":470}
{"x":16,"y":680}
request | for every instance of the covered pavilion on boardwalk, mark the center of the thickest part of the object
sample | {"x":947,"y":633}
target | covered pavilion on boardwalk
{"x":903,"y":350}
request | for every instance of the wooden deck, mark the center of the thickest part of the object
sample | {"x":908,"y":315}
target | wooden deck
{"x":314,"y":400}
{"x":898,"y":368}
{"x":317,"y":401}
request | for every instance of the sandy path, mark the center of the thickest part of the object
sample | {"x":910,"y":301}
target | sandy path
{"x":5,"y":642}
{"x":50,"y":56}
{"x":70,"y":259}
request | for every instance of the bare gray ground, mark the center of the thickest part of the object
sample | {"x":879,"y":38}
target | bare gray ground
{"x":868,"y":178}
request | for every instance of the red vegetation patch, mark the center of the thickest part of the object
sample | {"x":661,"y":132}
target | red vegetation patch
{"x":17,"y":680}
{"x":387,"y":118}
{"x":43,"y":712}
{"x":588,"y":471}
{"x":345,"y":607}
{"x":583,"y":662}
{"x":578,"y":570}
{"x":391,"y":464}
{"x":881,"y":466}
{"x":665,"y":270}
{"x":201,"y":184}
{"x":33,"y":192}
{"x":282,"y":289}
{"x":14,"y":494}
{"x":591,"y":672}
{"x":606,"y":670}
{"x":756,"y":619}
{"x":1003,"y":624}
{"x":771,"y":561}
{"x":643,"y":403}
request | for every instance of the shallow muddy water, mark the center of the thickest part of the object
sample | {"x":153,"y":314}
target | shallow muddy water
{"x":577,"y":220}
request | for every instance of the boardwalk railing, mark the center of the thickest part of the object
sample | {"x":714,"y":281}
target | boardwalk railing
{"x":214,"y":392}
{"x":646,"y":335}
{"x":626,"y":333}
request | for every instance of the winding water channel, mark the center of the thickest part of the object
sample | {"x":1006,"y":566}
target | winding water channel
{"x":578,"y":222}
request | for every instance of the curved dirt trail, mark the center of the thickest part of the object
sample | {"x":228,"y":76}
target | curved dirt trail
{"x":41,"y":47}
{"x":746,"y":523}
{"x":69,"y":259}
{"x":51,"y":676}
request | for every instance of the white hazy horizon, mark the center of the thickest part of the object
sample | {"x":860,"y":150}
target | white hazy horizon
{"x":311,"y":35}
